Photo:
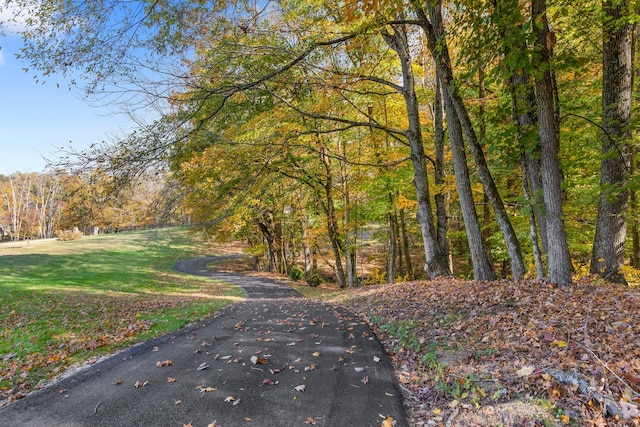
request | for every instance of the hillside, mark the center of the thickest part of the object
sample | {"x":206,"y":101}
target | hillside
{"x":510,"y":353}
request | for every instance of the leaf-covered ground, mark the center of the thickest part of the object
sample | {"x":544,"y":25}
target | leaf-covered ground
{"x":510,"y":353}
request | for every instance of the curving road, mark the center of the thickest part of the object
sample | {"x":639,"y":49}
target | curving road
{"x":275,"y":359}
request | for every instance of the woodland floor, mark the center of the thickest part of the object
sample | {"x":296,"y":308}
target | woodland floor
{"x":507,"y":353}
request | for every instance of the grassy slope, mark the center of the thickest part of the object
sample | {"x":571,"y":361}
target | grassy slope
{"x":64,"y":302}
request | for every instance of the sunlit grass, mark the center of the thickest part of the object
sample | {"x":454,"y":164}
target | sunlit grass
{"x":66,"y":301}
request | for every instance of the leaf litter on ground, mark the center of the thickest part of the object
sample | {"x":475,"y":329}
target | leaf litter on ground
{"x":480,"y":353}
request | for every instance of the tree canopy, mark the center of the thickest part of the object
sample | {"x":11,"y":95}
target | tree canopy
{"x":314,"y":128}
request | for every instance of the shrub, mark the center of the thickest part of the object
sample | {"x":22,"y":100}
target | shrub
{"x":69,"y":235}
{"x":314,"y":278}
{"x":296,"y":273}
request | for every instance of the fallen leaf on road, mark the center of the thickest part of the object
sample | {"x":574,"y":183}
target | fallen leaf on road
{"x":311,"y":421}
{"x":206,"y":389}
{"x":202,"y":366}
{"x":171,"y":380}
{"x":316,"y":354}
{"x":365,"y":380}
{"x":139,"y":384}
{"x":267,"y":381}
{"x":376,"y":359}
{"x":160,"y":364}
{"x":229,"y":399}
{"x":359,"y":369}
{"x":259,"y":360}
{"x":388,"y":422}
{"x":300,"y":387}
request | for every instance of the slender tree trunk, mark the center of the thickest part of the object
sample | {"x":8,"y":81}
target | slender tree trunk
{"x":611,"y":224}
{"x":482,"y":268}
{"x":559,"y":262}
{"x":441,"y":209}
{"x":306,"y":250}
{"x":391,"y":275}
{"x":436,"y":261}
{"x":405,"y":243}
{"x":633,"y":202}
{"x":523,"y":101}
{"x":533,"y":230}
{"x":633,"y":205}
{"x":439,"y":51}
{"x":332,"y":222}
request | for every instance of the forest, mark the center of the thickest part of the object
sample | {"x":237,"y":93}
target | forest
{"x":479,"y":139}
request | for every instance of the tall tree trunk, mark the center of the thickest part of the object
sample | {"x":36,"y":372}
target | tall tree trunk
{"x":633,"y":205}
{"x":349,"y":233}
{"x":559,"y":262}
{"x":611,"y":224}
{"x":523,"y":101}
{"x":332,"y":221}
{"x":436,"y":261}
{"x":482,"y":267}
{"x":441,"y":209}
{"x":437,"y":46}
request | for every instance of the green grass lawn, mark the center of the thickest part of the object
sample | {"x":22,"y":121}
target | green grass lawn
{"x":64,"y":302}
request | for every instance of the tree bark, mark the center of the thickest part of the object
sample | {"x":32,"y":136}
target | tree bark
{"x":437,"y":46}
{"x":611,"y":224}
{"x":405,"y":244}
{"x":436,"y":261}
{"x":559,"y":262}
{"x":441,"y":209}
{"x":332,"y":221}
{"x":482,"y":267}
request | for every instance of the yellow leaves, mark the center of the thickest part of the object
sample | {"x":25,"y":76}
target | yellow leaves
{"x":160,"y":364}
{"x":388,"y":422}
{"x":560,"y":343}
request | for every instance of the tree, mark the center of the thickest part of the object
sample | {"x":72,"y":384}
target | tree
{"x":560,"y":268}
{"x":433,"y":26}
{"x":611,"y":225}
{"x":437,"y":264}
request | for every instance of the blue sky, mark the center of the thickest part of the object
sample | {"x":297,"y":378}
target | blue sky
{"x":37,"y":120}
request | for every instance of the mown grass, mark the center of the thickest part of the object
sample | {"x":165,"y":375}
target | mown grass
{"x":64,"y":302}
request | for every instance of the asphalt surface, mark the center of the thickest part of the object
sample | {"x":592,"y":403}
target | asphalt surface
{"x":275,"y":359}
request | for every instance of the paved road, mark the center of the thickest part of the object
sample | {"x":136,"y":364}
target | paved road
{"x":276,"y":359}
